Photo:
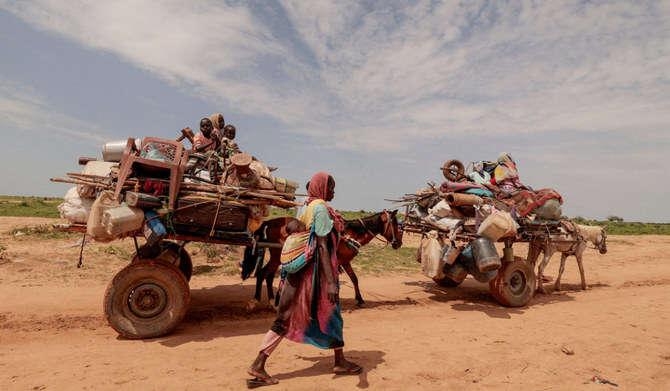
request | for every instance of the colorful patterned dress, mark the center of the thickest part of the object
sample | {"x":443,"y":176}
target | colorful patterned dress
{"x":305,"y":314}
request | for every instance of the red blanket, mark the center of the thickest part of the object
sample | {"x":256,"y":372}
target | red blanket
{"x":524,"y":201}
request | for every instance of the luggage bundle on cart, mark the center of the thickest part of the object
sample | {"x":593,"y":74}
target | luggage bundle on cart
{"x":156,"y":189}
{"x":461,"y":219}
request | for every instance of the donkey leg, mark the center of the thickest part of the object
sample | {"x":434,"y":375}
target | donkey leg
{"x":540,"y":269}
{"x":557,"y":286}
{"x":269,"y":280}
{"x":578,"y":255}
{"x":352,"y":276}
{"x":256,"y":301}
{"x":261,"y":275}
{"x":272,"y":266}
{"x":533,"y":253}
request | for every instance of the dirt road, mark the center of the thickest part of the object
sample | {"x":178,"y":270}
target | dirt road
{"x":412,"y":335}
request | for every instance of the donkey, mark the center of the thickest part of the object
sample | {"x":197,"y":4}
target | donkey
{"x":356,"y":233}
{"x":570,"y":241}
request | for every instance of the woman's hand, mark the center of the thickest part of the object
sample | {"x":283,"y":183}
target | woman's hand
{"x":333,"y":292}
{"x":333,"y":288}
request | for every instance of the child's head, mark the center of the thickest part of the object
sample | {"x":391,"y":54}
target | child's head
{"x":294,"y":226}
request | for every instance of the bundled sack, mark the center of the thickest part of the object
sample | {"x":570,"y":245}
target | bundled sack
{"x":550,"y":210}
{"x":94,"y":168}
{"x":249,"y":173}
{"x":446,"y":222}
{"x":432,"y":264}
{"x":75,"y":209}
{"x":440,"y":210}
{"x":94,"y":225}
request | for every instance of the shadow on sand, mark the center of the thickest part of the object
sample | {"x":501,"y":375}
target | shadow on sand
{"x":368,"y":359}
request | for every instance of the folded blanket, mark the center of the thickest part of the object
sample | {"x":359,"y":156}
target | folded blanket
{"x":524,"y":201}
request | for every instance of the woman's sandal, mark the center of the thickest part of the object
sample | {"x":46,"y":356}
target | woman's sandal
{"x":261,"y":382}
{"x":354,"y":369}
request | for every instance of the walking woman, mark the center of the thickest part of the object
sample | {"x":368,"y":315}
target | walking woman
{"x":309,"y":304}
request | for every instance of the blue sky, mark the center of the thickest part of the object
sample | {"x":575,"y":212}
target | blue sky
{"x":378,"y":93}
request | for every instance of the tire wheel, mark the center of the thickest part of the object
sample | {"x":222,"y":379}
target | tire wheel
{"x":146,"y":299}
{"x":515,"y":284}
{"x":453,"y":170}
{"x":446,"y":282}
{"x":167,"y":252}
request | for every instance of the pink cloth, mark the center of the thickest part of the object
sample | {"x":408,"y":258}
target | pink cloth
{"x":200,"y":139}
{"x":318,"y":189}
{"x":270,"y":342}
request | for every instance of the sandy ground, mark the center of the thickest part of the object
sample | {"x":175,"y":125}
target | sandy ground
{"x":412,"y":335}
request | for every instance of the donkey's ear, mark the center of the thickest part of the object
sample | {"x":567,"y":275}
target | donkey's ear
{"x":394,"y":213}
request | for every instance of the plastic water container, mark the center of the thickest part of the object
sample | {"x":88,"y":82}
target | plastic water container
{"x":154,"y":230}
{"x":94,"y":224}
{"x":122,"y":219}
{"x":494,"y":227}
{"x":485,"y":254}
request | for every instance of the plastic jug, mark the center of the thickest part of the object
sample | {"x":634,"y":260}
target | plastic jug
{"x":122,"y":219}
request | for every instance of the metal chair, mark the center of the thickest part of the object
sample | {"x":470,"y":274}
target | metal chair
{"x":174,"y":169}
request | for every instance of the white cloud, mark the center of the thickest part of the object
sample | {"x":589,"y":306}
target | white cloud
{"x":382,"y":68}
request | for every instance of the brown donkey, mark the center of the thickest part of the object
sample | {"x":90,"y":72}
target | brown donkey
{"x":356,"y":233}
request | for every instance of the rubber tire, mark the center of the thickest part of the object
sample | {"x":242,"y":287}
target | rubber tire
{"x":185,"y":264}
{"x":453,"y":170}
{"x":514,"y":286}
{"x":446,"y":282}
{"x":157,"y":278}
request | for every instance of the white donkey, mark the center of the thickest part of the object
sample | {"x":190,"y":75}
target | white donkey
{"x":570,"y":242}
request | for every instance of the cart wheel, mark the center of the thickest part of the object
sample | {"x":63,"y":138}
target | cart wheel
{"x":146,"y":299}
{"x":446,"y":282}
{"x":453,"y":170}
{"x":167,"y":253}
{"x":514,"y":284}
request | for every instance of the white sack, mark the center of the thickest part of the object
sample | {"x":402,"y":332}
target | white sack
{"x":75,"y":209}
{"x":431,"y":251}
{"x":441,"y":209}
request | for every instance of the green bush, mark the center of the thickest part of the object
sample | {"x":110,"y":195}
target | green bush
{"x":29,"y":206}
{"x":631,"y":228}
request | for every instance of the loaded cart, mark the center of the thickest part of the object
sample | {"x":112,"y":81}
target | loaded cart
{"x":461,"y":220}
{"x":157,"y":191}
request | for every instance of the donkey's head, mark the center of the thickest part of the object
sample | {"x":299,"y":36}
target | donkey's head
{"x":601,"y":240}
{"x":392,"y":231}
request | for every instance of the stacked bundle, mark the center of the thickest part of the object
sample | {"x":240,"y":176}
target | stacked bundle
{"x":150,"y":185}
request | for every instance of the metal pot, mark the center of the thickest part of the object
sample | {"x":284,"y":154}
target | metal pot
{"x":456,"y":271}
{"x":112,"y":151}
{"x":485,"y":254}
{"x":479,"y":276}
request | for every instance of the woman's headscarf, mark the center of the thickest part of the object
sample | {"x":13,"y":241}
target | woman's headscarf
{"x":505,"y":157}
{"x":215,"y":121}
{"x":506,"y":168}
{"x":318,"y":189}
